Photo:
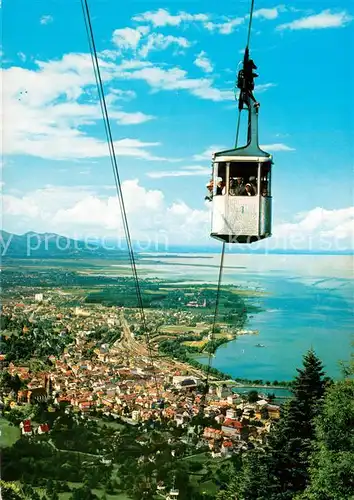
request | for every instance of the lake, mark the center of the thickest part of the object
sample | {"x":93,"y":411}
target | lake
{"x":308,"y":301}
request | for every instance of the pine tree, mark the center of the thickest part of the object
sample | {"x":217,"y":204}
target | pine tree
{"x":332,"y":461}
{"x":291,"y":440}
{"x":282,"y":471}
{"x":255,"y":472}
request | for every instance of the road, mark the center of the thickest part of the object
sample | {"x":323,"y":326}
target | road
{"x":134,"y":347}
{"x":127,"y":342}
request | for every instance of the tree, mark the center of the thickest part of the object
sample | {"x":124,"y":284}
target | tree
{"x":255,"y":471}
{"x":53,"y":496}
{"x":332,"y":461}
{"x":282,"y":471}
{"x":252,"y":396}
{"x":10,"y":382}
{"x":11,"y":491}
{"x":83,"y":493}
{"x":291,"y":441}
{"x":264,"y":413}
{"x":109,"y":487}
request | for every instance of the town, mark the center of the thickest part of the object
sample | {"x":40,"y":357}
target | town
{"x":92,"y":361}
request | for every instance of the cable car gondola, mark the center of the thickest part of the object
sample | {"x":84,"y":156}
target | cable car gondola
{"x":241,"y":183}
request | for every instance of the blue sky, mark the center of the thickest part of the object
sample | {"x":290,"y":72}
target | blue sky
{"x":169,"y":72}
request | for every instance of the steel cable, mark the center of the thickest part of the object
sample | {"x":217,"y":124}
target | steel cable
{"x":103,"y":105}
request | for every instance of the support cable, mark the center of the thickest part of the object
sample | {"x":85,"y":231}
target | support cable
{"x":217,"y":299}
{"x":250,"y":25}
{"x":112,"y":154}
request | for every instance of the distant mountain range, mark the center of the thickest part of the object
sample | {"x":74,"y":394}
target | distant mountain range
{"x":53,"y":246}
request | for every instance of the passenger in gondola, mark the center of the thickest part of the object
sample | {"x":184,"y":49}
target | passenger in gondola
{"x":253,"y":182}
{"x":232,"y":185}
{"x":220,"y":187}
{"x":249,"y":190}
{"x":210,"y":187}
{"x":239,"y":187}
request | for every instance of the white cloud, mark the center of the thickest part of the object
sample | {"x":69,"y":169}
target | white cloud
{"x":162,"y":17}
{"x":226,"y":27}
{"x":325,"y":19}
{"x":22,"y":207}
{"x":269,"y":14}
{"x":129,"y":38}
{"x":81,"y":210}
{"x":177,"y":79}
{"x":141,"y":42}
{"x":115,"y":95}
{"x":319,"y":228}
{"x":263,"y":87}
{"x":132,"y":118}
{"x":203,"y":62}
{"x":189,"y":171}
{"x":46,"y":109}
{"x":44,"y":112}
{"x":105,"y":211}
{"x":77,"y":212}
{"x":46,"y":19}
{"x":158,"y":41}
{"x":276,"y":147}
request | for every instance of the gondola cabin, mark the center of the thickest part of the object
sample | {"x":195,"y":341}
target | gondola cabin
{"x":242,"y":198}
{"x":242,"y":194}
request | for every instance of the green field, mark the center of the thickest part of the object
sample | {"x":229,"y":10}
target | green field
{"x":182,"y":328}
{"x":99,"y":493}
{"x":9,"y":433}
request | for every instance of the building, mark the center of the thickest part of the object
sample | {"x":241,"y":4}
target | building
{"x":43,"y":428}
{"x":136,"y":415}
{"x":223,"y":391}
{"x":26,"y":427}
{"x":231,"y":413}
{"x":185,"y":381}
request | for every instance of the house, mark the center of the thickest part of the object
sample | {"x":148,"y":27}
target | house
{"x":232,"y":398}
{"x":212,"y":390}
{"x":26,"y":427}
{"x":220,"y":418}
{"x":136,"y":415}
{"x":273,"y":411}
{"x":223,"y":391}
{"x":43,"y":428}
{"x":38,"y":394}
{"x":185,"y":382}
{"x":85,"y":405}
{"x":227,"y":448}
{"x":234,"y":428}
{"x":182,"y":418}
{"x":211,"y":433}
{"x":230,"y":413}
{"x":22,"y":396}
